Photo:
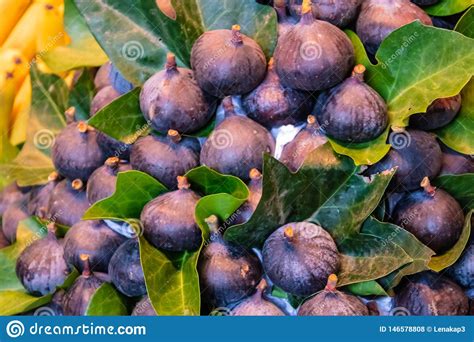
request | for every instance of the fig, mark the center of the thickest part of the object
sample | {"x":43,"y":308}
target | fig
{"x":144,"y":308}
{"x":440,"y":113}
{"x":246,"y":210}
{"x":284,"y":20}
{"x":41,"y":266}
{"x":14,"y":213}
{"x":119,"y":82}
{"x":102,"y":182}
{"x":299,"y":257}
{"x":257,"y":304}
{"x":272,"y":104}
{"x":455,"y":163}
{"x":340,"y":13}
{"x":38,"y":197}
{"x":168,"y":220}
{"x":102,"y":79}
{"x":104,"y":97}
{"x":313,"y":54}
{"x":307,"y":140}
{"x":416,"y":154}
{"x":237,"y":144}
{"x":68,"y":202}
{"x":432,"y":215}
{"x":227,"y":272}
{"x":93,"y":238}
{"x":227,"y":62}
{"x":379,"y":18}
{"x":425,"y":2}
{"x":352,"y":111}
{"x":76,"y":299}
{"x":76,"y":152}
{"x":165,"y":158}
{"x":126,"y":271}
{"x":172,"y":99}
{"x":10,"y":194}
{"x":331,"y":302}
{"x":463,"y":270}
{"x":431,"y":294}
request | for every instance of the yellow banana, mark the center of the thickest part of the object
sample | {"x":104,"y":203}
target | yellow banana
{"x":13,"y":63}
{"x":7,"y":97}
{"x":12,"y":11}
{"x":20,"y":113}
{"x":50,"y":33}
{"x":23,"y":35}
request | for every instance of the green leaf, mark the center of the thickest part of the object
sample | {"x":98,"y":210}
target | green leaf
{"x":464,"y":24}
{"x":173,"y":285}
{"x":83,"y":50}
{"x":82,"y":94}
{"x":107,"y":301}
{"x":292,"y":197}
{"x":420,"y":254}
{"x":49,"y":102}
{"x":448,"y":7}
{"x":28,"y":231}
{"x":343,"y":214}
{"x":458,"y":133}
{"x":134,"y":189}
{"x":367,"y":288}
{"x":458,"y":186}
{"x":146,"y":34}
{"x":439,"y":263}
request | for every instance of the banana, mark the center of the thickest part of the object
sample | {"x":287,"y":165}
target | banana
{"x":50,"y":32}
{"x":12,"y":11}
{"x":7,"y":97}
{"x":14,"y":63}
{"x":20,"y":113}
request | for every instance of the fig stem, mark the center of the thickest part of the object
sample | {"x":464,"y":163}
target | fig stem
{"x":112,"y":162}
{"x":358,"y":72}
{"x":77,"y":184}
{"x":51,"y":229}
{"x":332,"y":283}
{"x":426,"y":185}
{"x":213,"y":224}
{"x":82,"y":126}
{"x":254,"y":174}
{"x":262,"y":286}
{"x":236,"y":35}
{"x":70,"y":114}
{"x":170,"y":62}
{"x":86,"y":269}
{"x":306,"y":7}
{"x":280,"y":9}
{"x":183,"y":183}
{"x":271,"y":64}
{"x":53,"y":176}
{"x":174,"y":136}
{"x":289,"y":233}
{"x":311,"y":120}
{"x":228,"y":105}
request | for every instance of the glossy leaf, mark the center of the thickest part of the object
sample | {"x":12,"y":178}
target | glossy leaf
{"x":367,"y":288}
{"x":458,"y":186}
{"x":81,"y":95}
{"x":107,"y":301}
{"x":464,"y":24}
{"x":448,"y":7}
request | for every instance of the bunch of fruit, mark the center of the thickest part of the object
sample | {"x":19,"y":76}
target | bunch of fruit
{"x":326,"y":96}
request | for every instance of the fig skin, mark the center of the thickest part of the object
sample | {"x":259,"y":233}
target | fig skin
{"x":38,"y":197}
{"x":432,"y":215}
{"x":463,"y":270}
{"x":15,"y":212}
{"x":340,"y":13}
{"x":419,"y":156}
{"x":237,"y":144}
{"x":172,"y":99}
{"x":379,"y":18}
{"x":120,"y":83}
{"x":168,"y":220}
{"x":126,"y":271}
{"x":307,"y":140}
{"x":227,"y":272}
{"x":144,"y":308}
{"x":425,"y":2}
{"x":313,"y":55}
{"x":76,"y":152}
{"x":165,"y":158}
{"x":94,"y":238}
{"x":102,"y":182}
{"x":285,"y":22}
{"x":3,"y":240}
{"x":227,"y":62}
{"x":331,"y":302}
{"x":455,"y":163}
{"x":10,"y":194}
{"x":257,"y":305}
{"x":77,"y":297}
{"x":68,"y":202}
{"x":272,"y":104}
{"x":41,"y":266}
{"x":104,"y":97}
{"x":246,"y":210}
{"x":102,"y":79}
{"x":299,"y":257}
{"x":430,"y":294}
{"x":440,"y":113}
{"x":352,"y":111}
